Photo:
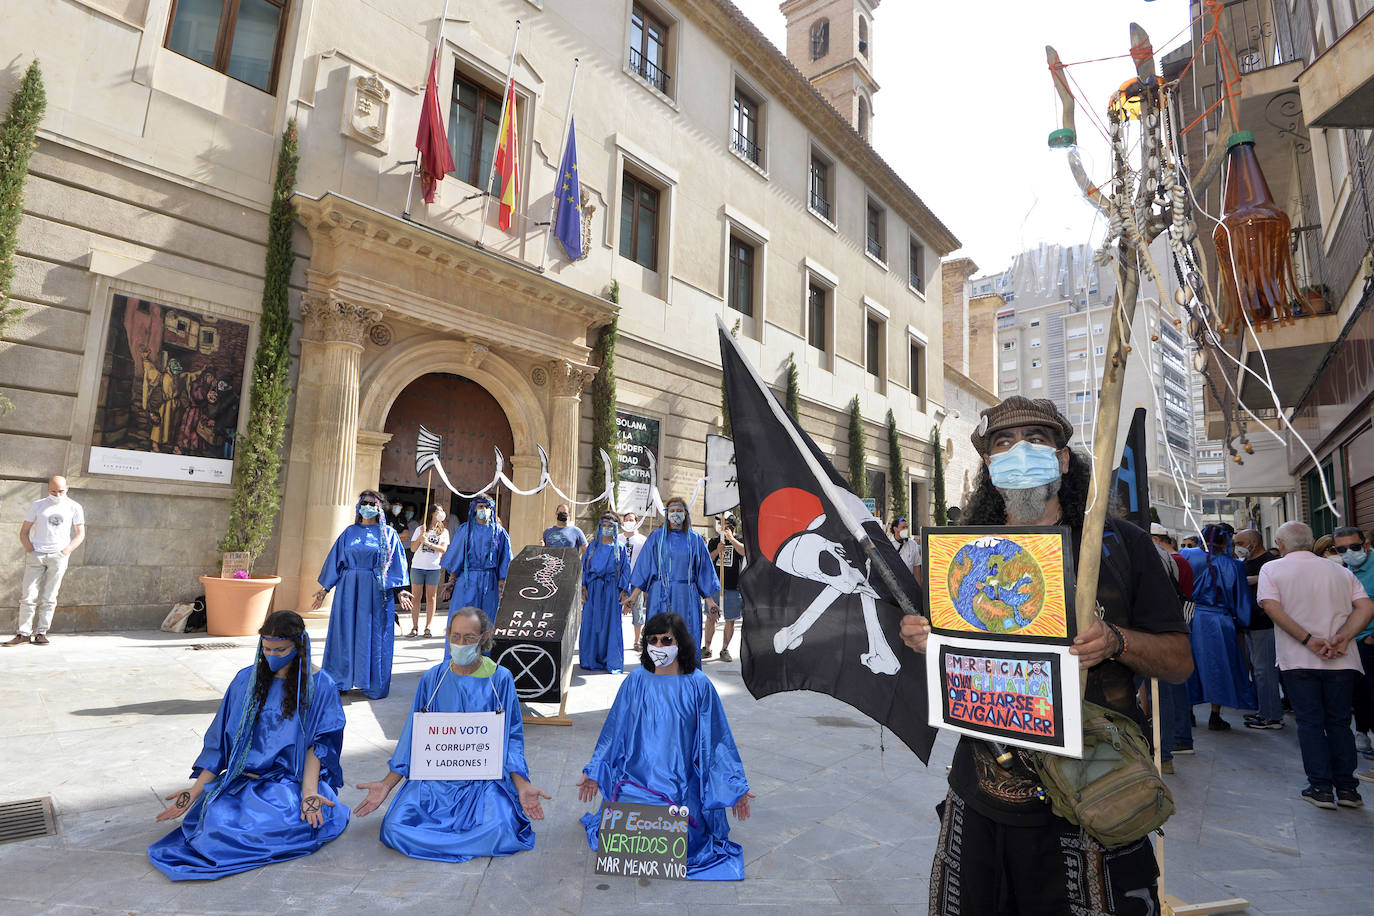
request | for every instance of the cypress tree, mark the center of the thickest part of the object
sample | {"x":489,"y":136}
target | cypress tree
{"x":604,"y":432}
{"x":793,"y":402}
{"x":938,"y":477}
{"x":896,"y":469}
{"x":18,"y":139}
{"x":258,"y":457}
{"x":858,"y":453}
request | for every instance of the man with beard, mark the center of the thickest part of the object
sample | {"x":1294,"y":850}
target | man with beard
{"x":1002,"y":850}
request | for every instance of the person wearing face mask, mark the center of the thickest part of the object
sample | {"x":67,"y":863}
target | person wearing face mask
{"x":427,"y":545}
{"x":634,"y":544}
{"x":1222,"y":608}
{"x":368,"y":564}
{"x":53,"y":528}
{"x":454,"y":820}
{"x":677,"y":572}
{"x":563,"y":534}
{"x":605,"y":577}
{"x":666,"y":741}
{"x":1031,"y":477}
{"x":267,"y":779}
{"x":478,"y":558}
{"x":1349,"y":544}
{"x":908,"y":548}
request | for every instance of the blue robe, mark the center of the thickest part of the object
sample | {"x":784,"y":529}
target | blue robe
{"x":479,"y":556}
{"x":667,"y":735}
{"x":362,"y":624}
{"x":255,"y":822}
{"x":605,"y":573}
{"x":454,"y":820}
{"x":675,"y":572}
{"x":1223,"y":604}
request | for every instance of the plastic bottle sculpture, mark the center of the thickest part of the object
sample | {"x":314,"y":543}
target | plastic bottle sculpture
{"x":1252,"y":245}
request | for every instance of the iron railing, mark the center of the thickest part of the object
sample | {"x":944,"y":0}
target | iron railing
{"x":875,"y":248}
{"x":744,"y":146}
{"x":649,"y":70}
{"x":820,"y":205}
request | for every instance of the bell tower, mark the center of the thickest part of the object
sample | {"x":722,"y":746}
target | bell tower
{"x":831,"y":43}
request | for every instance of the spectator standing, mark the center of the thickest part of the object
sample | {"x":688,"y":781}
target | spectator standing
{"x":428,"y":546}
{"x":1354,"y":553}
{"x":727,"y":552}
{"x":1175,"y":712}
{"x":1317,"y":608}
{"x":52,"y":530}
{"x":1259,"y":635}
{"x":562,"y":534}
{"x":634,"y":540}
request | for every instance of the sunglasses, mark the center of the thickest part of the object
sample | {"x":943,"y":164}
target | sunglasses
{"x":663,"y":639}
{"x":1342,"y":548}
{"x":368,"y":502}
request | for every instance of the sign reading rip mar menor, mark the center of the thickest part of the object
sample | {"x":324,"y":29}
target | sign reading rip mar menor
{"x":457,"y":745}
{"x":642,"y":841}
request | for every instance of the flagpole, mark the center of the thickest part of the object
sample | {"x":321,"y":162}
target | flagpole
{"x":438,"y":47}
{"x":553,"y":204}
{"x":506,"y":98}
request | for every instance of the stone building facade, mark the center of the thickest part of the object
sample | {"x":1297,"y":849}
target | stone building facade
{"x":717,"y":182}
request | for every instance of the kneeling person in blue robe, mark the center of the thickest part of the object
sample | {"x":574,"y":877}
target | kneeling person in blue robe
{"x":267,"y":777}
{"x":453,"y":820}
{"x":666,"y":742}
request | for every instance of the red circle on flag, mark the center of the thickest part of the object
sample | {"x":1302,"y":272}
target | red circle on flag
{"x":782,"y":514}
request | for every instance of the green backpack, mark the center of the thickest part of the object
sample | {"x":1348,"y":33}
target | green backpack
{"x":1114,"y":792}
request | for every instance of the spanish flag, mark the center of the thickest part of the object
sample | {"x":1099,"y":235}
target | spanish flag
{"x":506,"y":165}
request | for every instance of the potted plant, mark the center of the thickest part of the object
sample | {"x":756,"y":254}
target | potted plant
{"x":237,"y":602}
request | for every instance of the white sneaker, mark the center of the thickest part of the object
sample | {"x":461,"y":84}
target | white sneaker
{"x":1361,"y":741}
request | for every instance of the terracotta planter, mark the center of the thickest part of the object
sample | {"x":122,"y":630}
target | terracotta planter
{"x":237,"y":607}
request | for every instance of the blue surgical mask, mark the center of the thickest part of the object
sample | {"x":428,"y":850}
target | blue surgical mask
{"x":1354,"y":558}
{"x":462,"y":653}
{"x":1024,"y":466}
{"x":368,"y":511}
{"x":278,"y":662}
{"x":607,"y":531}
{"x":483,"y":515}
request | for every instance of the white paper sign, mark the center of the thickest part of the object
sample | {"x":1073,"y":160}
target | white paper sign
{"x":1022,"y":693}
{"x":457,"y":745}
{"x":722,"y":483}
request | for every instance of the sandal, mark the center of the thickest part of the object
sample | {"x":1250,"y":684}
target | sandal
{"x":414,"y":632}
{"x":428,"y":635}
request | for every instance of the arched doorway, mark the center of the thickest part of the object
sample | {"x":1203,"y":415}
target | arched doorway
{"x":470,"y":423}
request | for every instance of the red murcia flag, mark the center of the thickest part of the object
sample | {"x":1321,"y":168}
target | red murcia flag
{"x":824,"y":588}
{"x":436,"y":160}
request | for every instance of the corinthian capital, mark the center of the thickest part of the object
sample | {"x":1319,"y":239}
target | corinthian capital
{"x":569,"y":379}
{"x":329,"y":319}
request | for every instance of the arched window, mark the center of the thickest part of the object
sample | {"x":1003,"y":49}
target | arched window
{"x":863,"y":117}
{"x":863,"y":36}
{"x":820,"y":39}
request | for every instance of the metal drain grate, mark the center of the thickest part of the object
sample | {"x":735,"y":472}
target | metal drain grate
{"x":27,"y":819}
{"x":214,"y":645}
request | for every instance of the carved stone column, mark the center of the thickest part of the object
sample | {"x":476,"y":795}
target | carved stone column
{"x":568,"y":381}
{"x":331,"y":353}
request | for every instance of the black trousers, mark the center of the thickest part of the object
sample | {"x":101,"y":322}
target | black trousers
{"x":983,"y":868}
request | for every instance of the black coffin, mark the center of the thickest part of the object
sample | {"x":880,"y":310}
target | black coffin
{"x":537,"y":621}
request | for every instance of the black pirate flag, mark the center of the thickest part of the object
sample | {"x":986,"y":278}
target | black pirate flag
{"x":824,"y":588}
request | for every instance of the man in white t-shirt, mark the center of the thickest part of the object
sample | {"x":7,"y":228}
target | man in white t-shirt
{"x":1317,"y":607}
{"x":53,"y":528}
{"x":634,"y":542}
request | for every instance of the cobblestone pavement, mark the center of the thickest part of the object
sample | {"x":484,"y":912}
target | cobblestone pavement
{"x":108,"y":723}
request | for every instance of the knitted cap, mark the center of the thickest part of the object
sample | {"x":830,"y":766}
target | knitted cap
{"x":1018,"y":411}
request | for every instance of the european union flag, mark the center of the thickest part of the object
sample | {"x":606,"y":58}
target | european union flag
{"x":567,"y":223}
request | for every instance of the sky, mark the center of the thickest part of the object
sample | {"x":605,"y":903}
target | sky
{"x":966,"y":103}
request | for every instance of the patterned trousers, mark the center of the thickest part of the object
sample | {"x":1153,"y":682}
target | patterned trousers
{"x":985,"y":868}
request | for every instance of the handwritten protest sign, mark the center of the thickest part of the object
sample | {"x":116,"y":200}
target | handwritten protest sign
{"x":1009,"y":694}
{"x":642,"y":841}
{"x":237,"y":561}
{"x":457,"y":745}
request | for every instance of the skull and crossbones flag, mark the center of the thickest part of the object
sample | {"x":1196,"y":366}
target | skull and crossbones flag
{"x":824,"y":591}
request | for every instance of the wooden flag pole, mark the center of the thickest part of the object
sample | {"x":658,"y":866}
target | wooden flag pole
{"x":1134,"y":243}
